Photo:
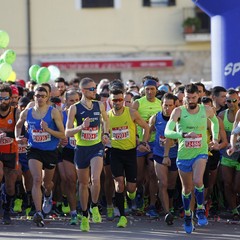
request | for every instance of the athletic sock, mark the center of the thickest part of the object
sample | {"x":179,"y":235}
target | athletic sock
{"x":186,"y":199}
{"x":199,"y":196}
{"x":119,"y":197}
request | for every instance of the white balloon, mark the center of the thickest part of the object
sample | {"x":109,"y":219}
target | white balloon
{"x":54,"y":72}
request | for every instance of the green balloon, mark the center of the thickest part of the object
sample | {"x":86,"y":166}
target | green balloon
{"x":9,"y":56}
{"x":43,"y":75}
{"x":4,"y":39}
{"x":33,"y":72}
{"x":5,"y":71}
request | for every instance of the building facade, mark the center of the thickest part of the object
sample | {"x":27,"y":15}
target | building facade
{"x":124,"y":39}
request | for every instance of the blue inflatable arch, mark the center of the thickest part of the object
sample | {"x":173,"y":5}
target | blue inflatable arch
{"x":225,"y":40}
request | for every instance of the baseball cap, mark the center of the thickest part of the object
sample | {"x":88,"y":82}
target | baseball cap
{"x":163,"y":88}
{"x":20,"y":82}
{"x":14,"y":90}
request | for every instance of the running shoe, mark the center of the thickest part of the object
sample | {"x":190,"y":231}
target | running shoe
{"x":84,"y":226}
{"x":152,"y":212}
{"x":131,"y":195}
{"x":188,"y":224}
{"x":169,"y":218}
{"x":110,"y":213}
{"x":96,"y":217}
{"x":38,"y":219}
{"x":74,"y":219}
{"x":202,"y":220}
{"x":17,"y":208}
{"x":65,"y":208}
{"x":6,"y":220}
{"x":122,"y":223}
{"x":47,"y":204}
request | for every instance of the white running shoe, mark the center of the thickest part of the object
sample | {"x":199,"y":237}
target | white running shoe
{"x":47,"y":204}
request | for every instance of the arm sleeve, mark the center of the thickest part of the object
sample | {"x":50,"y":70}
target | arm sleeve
{"x":169,"y":130}
{"x":214,"y":127}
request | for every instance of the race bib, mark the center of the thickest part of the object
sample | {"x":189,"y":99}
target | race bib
{"x":90,"y":133}
{"x":22,"y":148}
{"x":120,"y":133}
{"x":40,"y":136}
{"x":193,"y":142}
{"x":72,"y":141}
{"x":6,"y":141}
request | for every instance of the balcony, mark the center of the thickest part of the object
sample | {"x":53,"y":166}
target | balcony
{"x":196,"y":25}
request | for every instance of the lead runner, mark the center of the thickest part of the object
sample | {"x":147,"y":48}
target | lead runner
{"x":190,"y":121}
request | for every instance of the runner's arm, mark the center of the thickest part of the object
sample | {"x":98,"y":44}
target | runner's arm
{"x":57,"y":117}
{"x":70,"y":130}
{"x":105,"y":118}
{"x":170,"y":130}
{"x":19,"y":124}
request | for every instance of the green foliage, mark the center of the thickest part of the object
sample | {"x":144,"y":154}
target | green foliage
{"x":192,"y":22}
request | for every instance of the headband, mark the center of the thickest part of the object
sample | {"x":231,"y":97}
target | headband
{"x":150,"y":82}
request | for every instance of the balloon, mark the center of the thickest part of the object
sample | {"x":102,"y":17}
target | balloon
{"x":4,"y":39}
{"x":43,"y":75}
{"x":54,"y":72}
{"x":9,"y":56}
{"x":12,"y":77}
{"x":33,"y":72}
{"x":5,"y":71}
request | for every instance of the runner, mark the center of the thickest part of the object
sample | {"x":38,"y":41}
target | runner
{"x":71,"y":97}
{"x":147,"y":106}
{"x":123,"y":161}
{"x":164,"y":155}
{"x":230,"y":158}
{"x":191,"y":132}
{"x":89,"y":151}
{"x":8,"y":150}
{"x":45,"y":128}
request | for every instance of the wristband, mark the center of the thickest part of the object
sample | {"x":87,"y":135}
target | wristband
{"x":165,"y":156}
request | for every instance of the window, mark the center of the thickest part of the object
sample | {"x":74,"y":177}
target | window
{"x":205,"y":20}
{"x":158,"y":3}
{"x":97,"y":3}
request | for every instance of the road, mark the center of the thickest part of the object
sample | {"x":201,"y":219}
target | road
{"x":138,"y":228}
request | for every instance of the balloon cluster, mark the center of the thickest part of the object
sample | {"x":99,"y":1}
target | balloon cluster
{"x":36,"y":73}
{"x":6,"y":59}
{"x":43,"y":74}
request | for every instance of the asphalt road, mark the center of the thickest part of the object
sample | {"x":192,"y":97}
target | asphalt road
{"x":138,"y":228}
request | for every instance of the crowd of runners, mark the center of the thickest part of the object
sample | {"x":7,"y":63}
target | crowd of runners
{"x":83,"y":150}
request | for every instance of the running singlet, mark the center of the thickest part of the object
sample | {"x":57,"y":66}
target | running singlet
{"x":91,"y":135}
{"x":147,"y":109}
{"x":158,"y":149}
{"x":192,"y":147}
{"x":228,"y":126}
{"x":122,"y":130}
{"x":71,"y":140}
{"x":37,"y":137}
{"x":7,"y":125}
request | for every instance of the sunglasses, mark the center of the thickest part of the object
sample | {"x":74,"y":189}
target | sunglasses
{"x":231,"y":100}
{"x":40,"y":96}
{"x":117,"y":100}
{"x":4,"y":98}
{"x":91,"y":89}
